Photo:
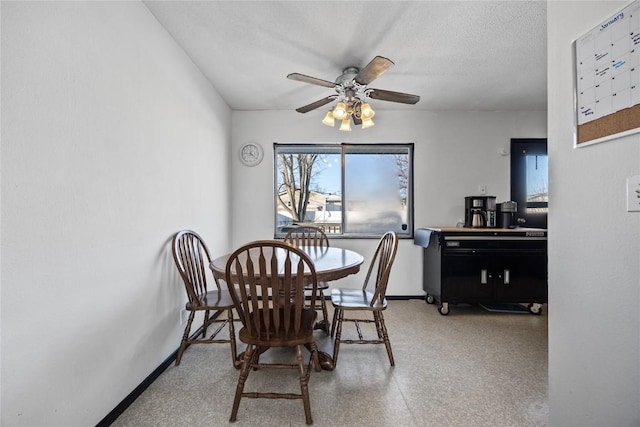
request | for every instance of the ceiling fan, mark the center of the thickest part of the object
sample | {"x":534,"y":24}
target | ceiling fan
{"x":352,"y":92}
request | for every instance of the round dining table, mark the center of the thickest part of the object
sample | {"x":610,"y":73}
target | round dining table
{"x":331,"y":263}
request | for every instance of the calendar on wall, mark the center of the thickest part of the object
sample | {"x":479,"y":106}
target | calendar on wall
{"x":607,"y":78}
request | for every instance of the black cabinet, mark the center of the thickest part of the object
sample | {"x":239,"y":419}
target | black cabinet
{"x":482,"y":266}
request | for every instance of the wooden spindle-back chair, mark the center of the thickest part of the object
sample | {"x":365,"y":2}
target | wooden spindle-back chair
{"x":372,"y":298}
{"x":267,"y":281}
{"x":192,"y":259}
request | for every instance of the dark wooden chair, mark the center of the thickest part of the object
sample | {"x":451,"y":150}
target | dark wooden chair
{"x":192,"y":259}
{"x":314,"y":237}
{"x":370,"y":299}
{"x":267,"y":279}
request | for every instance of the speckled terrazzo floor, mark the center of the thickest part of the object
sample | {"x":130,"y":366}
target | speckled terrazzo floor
{"x":469,"y":368}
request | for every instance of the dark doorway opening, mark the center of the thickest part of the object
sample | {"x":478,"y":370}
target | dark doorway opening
{"x":530,"y":181}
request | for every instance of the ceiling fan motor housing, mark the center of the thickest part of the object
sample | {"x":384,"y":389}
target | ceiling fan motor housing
{"x":347,"y":76}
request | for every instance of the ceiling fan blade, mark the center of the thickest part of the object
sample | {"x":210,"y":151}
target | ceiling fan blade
{"x":387,"y":95}
{"x":316,"y":104}
{"x":373,"y":70}
{"x":311,"y":80}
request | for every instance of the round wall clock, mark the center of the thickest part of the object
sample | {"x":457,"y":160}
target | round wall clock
{"x":251,"y":154}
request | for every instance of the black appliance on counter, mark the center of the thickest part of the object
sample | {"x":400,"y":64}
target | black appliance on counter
{"x":507,"y":214}
{"x":480,"y":212}
{"x":484,"y":266}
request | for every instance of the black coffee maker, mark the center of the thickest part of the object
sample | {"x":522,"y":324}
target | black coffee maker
{"x":507,"y":214}
{"x":480,"y":212}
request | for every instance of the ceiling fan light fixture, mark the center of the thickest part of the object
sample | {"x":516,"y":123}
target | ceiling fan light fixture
{"x":351,"y":93}
{"x":367,"y":123}
{"x":329,"y":119}
{"x":340,"y":112}
{"x":345,"y":126}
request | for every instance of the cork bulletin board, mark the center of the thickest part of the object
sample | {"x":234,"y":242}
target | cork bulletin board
{"x":607,"y":78}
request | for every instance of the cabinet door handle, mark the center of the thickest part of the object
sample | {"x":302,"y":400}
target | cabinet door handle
{"x":483,"y":277}
{"x":507,"y":277}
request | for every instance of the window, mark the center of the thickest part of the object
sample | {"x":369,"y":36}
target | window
{"x":529,"y":181}
{"x":348,"y":190}
{"x":537,"y":183}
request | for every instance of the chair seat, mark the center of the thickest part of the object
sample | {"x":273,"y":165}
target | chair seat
{"x":285,"y":337}
{"x":356,"y":299}
{"x":212,"y":300}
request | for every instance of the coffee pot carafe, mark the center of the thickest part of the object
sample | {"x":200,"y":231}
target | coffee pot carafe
{"x":478,"y":218}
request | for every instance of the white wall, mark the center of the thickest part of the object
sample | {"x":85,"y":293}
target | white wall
{"x":454,"y":153}
{"x":594,"y":251}
{"x":112,"y":140}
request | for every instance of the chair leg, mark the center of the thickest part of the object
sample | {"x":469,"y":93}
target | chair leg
{"x":232,"y":339}
{"x":333,"y":324}
{"x":338,"y":317}
{"x":205,"y":324}
{"x":382,"y":330}
{"x":325,"y":315}
{"x":244,"y":373}
{"x":376,"y":318}
{"x":315,"y":358}
{"x":304,"y":373}
{"x":185,"y":337}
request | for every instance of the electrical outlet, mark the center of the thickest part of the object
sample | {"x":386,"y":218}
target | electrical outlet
{"x":482,"y":189}
{"x":633,"y":193}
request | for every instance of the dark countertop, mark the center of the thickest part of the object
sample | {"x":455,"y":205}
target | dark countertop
{"x":482,"y":230}
{"x":422,"y":236}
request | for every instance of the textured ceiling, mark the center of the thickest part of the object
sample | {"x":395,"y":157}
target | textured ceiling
{"x":456,"y":55}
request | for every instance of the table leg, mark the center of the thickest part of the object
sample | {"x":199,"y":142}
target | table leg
{"x":326,"y":360}
{"x":322,"y":325}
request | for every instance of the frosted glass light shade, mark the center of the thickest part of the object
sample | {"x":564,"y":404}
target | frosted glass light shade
{"x":345,"y":126}
{"x":328,"y":119}
{"x":340,"y":112}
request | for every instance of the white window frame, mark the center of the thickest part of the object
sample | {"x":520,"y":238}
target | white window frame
{"x":343,"y":149}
